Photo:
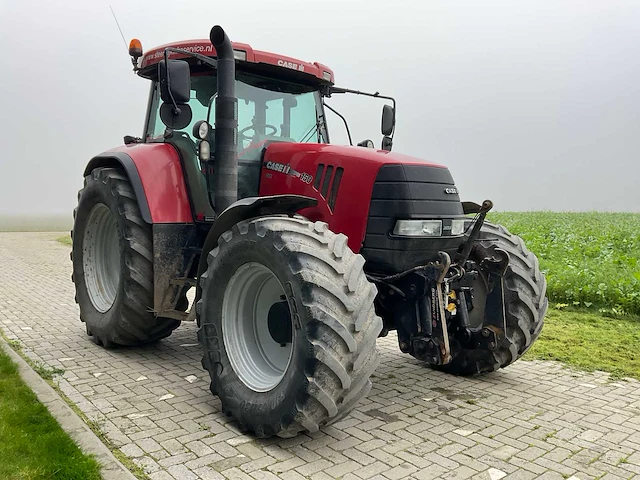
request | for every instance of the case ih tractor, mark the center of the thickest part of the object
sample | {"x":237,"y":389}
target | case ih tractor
{"x":302,"y":253}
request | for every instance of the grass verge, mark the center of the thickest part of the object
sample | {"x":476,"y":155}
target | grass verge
{"x":64,"y":239}
{"x":48,"y":374}
{"x":32,"y":444}
{"x":590,"y":341}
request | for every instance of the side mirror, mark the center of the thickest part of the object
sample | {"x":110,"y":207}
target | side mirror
{"x":175,"y":88}
{"x":388,"y":120}
{"x":175,"y":81}
{"x":387,"y":143}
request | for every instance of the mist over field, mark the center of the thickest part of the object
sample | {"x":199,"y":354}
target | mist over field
{"x":36,"y":223}
{"x":533,"y":104}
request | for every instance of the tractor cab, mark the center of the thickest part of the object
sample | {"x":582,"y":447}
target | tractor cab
{"x":279,"y":100}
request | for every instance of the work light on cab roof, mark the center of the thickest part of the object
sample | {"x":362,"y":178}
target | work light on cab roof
{"x":135,"y":51}
{"x":302,"y":252}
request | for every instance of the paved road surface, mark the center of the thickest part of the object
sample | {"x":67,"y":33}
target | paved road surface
{"x":532,"y":420}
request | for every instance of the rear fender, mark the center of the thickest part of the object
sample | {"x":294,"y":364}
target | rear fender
{"x":251,"y":207}
{"x":155,"y":173}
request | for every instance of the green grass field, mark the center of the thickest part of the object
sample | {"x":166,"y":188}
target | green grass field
{"x":590,"y":341}
{"x":591,"y":260}
{"x":32,"y":444}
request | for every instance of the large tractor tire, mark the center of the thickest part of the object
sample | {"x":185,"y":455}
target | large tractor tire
{"x":112,"y":258}
{"x":525,"y":306}
{"x":287,"y":325}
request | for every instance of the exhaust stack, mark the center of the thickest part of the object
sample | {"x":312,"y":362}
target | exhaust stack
{"x":226,"y":123}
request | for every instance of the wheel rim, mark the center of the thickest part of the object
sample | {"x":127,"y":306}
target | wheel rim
{"x":252,"y":302}
{"x":101,"y":258}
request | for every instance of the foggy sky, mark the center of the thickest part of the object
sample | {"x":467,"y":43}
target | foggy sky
{"x":533,"y":104}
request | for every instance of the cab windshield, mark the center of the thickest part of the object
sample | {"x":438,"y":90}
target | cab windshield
{"x":268,"y":111}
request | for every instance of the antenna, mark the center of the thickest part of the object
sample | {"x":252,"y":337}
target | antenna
{"x":121,"y":34}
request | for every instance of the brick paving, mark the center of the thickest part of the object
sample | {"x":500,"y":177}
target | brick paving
{"x":531,"y":420}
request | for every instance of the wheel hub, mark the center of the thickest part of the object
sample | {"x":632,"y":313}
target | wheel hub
{"x":279,"y":323}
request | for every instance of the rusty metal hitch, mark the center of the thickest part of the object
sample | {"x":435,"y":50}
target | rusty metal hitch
{"x":434,"y":347}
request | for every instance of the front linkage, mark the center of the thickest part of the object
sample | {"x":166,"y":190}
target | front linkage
{"x":431,"y":302}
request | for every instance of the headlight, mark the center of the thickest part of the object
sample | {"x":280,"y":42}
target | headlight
{"x":201,"y":129}
{"x":457,"y":227}
{"x":428,"y":228}
{"x":418,"y":228}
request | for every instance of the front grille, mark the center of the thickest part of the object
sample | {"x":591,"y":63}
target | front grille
{"x":408,"y":192}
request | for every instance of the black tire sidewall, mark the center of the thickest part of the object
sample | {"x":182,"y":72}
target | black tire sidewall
{"x":94,"y":193}
{"x":472,"y":361}
{"x":277,"y":406}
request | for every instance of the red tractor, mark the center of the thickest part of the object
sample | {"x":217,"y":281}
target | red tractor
{"x":302,"y":253}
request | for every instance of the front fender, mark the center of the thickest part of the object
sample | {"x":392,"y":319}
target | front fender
{"x":251,"y":207}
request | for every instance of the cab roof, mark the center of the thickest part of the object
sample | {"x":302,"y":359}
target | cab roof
{"x":243,"y":53}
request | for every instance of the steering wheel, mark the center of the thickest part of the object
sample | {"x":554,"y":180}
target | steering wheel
{"x":253,"y":127}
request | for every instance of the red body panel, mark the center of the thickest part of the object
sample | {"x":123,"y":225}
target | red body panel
{"x":361,"y":165}
{"x":204,"y":47}
{"x":162,"y":179}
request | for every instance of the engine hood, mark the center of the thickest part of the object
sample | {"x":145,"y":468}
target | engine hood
{"x":352,"y":183}
{"x":380,"y":157}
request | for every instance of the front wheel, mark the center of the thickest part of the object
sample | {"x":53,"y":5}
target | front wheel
{"x":525,"y":306}
{"x":287,"y":325}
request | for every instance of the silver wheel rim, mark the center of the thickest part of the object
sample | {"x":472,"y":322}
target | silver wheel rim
{"x":101,"y":257}
{"x":256,"y":358}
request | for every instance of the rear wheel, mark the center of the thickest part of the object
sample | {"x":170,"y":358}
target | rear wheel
{"x":287,"y":325}
{"x":525,"y":306}
{"x":112,"y":258}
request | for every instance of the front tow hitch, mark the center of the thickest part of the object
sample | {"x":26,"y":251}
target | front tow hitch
{"x":481,"y":213}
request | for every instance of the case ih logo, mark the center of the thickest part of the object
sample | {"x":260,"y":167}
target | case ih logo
{"x":291,"y":65}
{"x":287,"y":170}
{"x":451,"y":190}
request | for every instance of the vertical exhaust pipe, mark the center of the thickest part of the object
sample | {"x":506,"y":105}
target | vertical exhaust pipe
{"x":226,"y":123}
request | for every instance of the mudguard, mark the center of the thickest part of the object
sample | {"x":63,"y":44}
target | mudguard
{"x":244,"y":209}
{"x":156,"y":176}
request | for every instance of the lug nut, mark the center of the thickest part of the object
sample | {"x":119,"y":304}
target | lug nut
{"x":485,"y":332}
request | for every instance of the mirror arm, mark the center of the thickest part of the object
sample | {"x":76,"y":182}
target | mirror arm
{"x":212,"y":62}
{"x":333,"y":89}
{"x":204,"y":59}
{"x":346,"y":125}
